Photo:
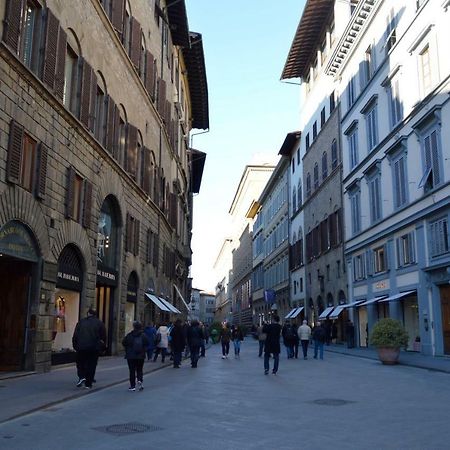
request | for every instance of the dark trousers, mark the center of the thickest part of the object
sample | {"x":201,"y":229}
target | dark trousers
{"x":195,"y":354}
{"x":305,"y":344}
{"x":177,"y":359}
{"x":225,"y":348}
{"x":261,"y":348}
{"x":135,"y":367}
{"x":150,"y":351}
{"x":296,"y":343}
{"x":159,"y":350}
{"x":86,"y":365}
{"x":276,"y":360}
{"x":202,"y":348}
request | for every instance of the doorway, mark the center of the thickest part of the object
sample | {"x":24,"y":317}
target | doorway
{"x":105,"y":311}
{"x":445,"y":308}
{"x":15,"y":279}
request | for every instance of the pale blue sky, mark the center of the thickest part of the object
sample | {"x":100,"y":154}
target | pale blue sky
{"x":250,"y":110}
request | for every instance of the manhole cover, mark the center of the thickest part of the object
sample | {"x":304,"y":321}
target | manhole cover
{"x":331,"y":401}
{"x":127,"y":428}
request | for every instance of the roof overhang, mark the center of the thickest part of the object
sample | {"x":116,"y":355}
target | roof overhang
{"x":178,"y":22}
{"x":309,"y":31}
{"x":197,"y":162}
{"x":198,"y":87}
{"x":289,"y":142}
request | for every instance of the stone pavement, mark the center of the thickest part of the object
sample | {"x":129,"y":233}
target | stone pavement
{"x":22,"y":393}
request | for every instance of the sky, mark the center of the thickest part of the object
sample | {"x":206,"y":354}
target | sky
{"x":246,"y":44}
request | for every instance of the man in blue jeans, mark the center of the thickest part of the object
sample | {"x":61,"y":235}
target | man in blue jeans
{"x":319,"y":337}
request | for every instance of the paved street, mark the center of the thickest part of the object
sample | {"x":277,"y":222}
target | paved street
{"x":341,"y":402}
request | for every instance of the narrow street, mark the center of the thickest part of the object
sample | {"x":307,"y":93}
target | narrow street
{"x":341,"y":402}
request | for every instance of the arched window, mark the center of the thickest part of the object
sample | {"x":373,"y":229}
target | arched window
{"x":126,"y":35}
{"x":334,"y":155}
{"x":316,"y":176}
{"x":294,"y":200}
{"x":100,"y":110}
{"x":308,"y":184}
{"x":72,"y":74}
{"x":324,"y":166}
{"x":107,"y":234}
{"x":299,"y":193}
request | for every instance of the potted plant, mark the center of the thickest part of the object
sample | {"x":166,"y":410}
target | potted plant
{"x":388,"y":336}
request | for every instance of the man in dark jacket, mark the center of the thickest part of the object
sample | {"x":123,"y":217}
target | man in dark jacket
{"x":136,"y":344}
{"x":272,"y":344}
{"x":177,"y":343}
{"x":319,"y":336}
{"x":194,"y":338}
{"x":88,"y":340}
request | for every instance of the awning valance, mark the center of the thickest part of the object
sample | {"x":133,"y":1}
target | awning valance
{"x":397,"y":296}
{"x":336,"y":312}
{"x":157,"y":302}
{"x":293,"y":313}
{"x":371,"y":301}
{"x":172,"y":308}
{"x":326,"y":312}
{"x":353,"y":304}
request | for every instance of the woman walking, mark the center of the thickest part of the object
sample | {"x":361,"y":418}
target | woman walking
{"x":162,"y":343}
{"x":225,"y":337}
{"x":178,"y":342}
{"x":135,"y":343}
{"x":237,"y":336}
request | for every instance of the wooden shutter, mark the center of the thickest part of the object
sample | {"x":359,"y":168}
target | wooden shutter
{"x":14,"y":152}
{"x":137,"y":235}
{"x":161,"y":96}
{"x":156,"y":251}
{"x":92,"y":104}
{"x":85,"y":93}
{"x":116,"y":133}
{"x":70,"y":192}
{"x":131,"y":157}
{"x":118,"y":7}
{"x":150,"y":74}
{"x":149,"y":252}
{"x":60,"y":63}
{"x":41,"y":170}
{"x":167,"y":114}
{"x":146,"y":170}
{"x":128,"y":233}
{"x":135,"y":42}
{"x":12,"y":24}
{"x":51,"y":48}
{"x":87,"y":204}
{"x":110,"y":124}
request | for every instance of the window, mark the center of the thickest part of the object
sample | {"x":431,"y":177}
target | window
{"x":316,"y":176}
{"x":372,"y":127}
{"x":299,"y":193}
{"x":375,"y":197}
{"x":334,"y":155}
{"x":425,"y":70}
{"x":355,"y":211}
{"x":332,"y":102}
{"x":322,"y":117}
{"x":405,"y":250}
{"x":293,"y":165}
{"x":294,"y":201}
{"x":359,"y":267}
{"x":391,"y":37}
{"x":438,"y":238}
{"x":395,"y":105}
{"x":72,"y":78}
{"x":29,"y":40}
{"x":307,"y":141}
{"x":132,"y":235}
{"x":314,"y":130}
{"x":367,"y":67}
{"x":352,"y":138}
{"x":400,"y":183}
{"x":78,"y":198}
{"x":380,"y":259}
{"x":431,"y":160}
{"x":351,"y":94}
{"x":308,"y":185}
{"x":100,"y":115}
{"x":27,"y":163}
{"x":324,"y":166}
{"x":298,"y":156}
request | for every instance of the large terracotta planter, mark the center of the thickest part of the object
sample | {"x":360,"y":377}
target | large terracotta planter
{"x":388,"y":356}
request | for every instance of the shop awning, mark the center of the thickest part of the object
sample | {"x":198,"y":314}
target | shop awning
{"x":182,"y":298}
{"x":337,"y":311}
{"x":353,"y":305}
{"x":326,"y":313}
{"x":172,"y":308}
{"x":157,"y":302}
{"x":398,"y":296}
{"x":293,"y":313}
{"x":371,"y":301}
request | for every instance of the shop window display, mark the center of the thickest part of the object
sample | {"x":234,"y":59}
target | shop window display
{"x":66,"y":314}
{"x":130,"y":311}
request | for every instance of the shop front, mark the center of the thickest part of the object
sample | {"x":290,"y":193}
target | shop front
{"x":19,"y":264}
{"x":69,"y":285}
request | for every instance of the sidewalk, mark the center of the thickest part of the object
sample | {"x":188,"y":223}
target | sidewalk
{"x":413,"y":359}
{"x":22,"y":392}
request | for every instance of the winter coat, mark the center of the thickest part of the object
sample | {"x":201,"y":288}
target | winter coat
{"x":89,"y":335}
{"x":150,"y":332}
{"x":304,"y":332}
{"x":272,"y":343}
{"x":135,"y":343}
{"x":178,"y":341}
{"x":237,"y":335}
{"x":319,"y":334}
{"x":195,"y":336}
{"x":225,"y":335}
{"x":288,"y":335}
{"x":261,"y":336}
{"x":164,"y":332}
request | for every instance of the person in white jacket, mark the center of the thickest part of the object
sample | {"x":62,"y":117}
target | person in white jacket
{"x":304,"y":334}
{"x":162,"y":342}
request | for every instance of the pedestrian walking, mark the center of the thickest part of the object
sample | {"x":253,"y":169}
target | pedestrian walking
{"x":225,"y":337}
{"x":319,"y":337}
{"x":88,"y":340}
{"x":296,"y":340}
{"x":203,"y":344}
{"x":136,"y":344}
{"x":186,"y":326}
{"x":261,"y":338}
{"x":150,"y":332}
{"x":237,"y":336}
{"x":162,"y":342}
{"x":195,"y":337}
{"x":334,"y":332}
{"x":304,"y":334}
{"x":288,"y":339}
{"x":272,"y":345}
{"x":177,"y":343}
{"x":350,"y":334}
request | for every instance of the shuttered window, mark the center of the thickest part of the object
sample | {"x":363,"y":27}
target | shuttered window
{"x":406,"y":254}
{"x":132,"y":150}
{"x":431,"y":160}
{"x":132,"y":235}
{"x":78,"y":198}
{"x":150,"y":74}
{"x":135,"y":42}
{"x":400,"y":182}
{"x":334,"y":155}
{"x":355,"y":211}
{"x":438,"y":237}
{"x":324,"y":166}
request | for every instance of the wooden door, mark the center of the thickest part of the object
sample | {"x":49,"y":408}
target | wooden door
{"x":445,"y":308}
{"x":14,"y":281}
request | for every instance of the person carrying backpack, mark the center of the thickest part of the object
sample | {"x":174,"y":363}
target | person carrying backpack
{"x":135,"y":343}
{"x":288,"y":339}
{"x":319,"y":337}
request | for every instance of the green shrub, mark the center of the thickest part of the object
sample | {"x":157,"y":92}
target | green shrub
{"x":389,"y":333}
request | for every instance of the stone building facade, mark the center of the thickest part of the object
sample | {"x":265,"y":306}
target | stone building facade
{"x":96,"y":177}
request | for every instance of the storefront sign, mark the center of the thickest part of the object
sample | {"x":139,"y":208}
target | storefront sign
{"x":69,"y":280}
{"x":15,"y":240}
{"x":106,"y":276}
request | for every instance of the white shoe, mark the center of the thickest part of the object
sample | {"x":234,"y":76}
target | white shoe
{"x":140,"y":386}
{"x":223,"y":356}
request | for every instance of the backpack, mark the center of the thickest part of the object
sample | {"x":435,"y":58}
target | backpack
{"x":138,"y":345}
{"x":290,"y":333}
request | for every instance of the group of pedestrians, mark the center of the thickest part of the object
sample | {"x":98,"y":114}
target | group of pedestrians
{"x":231,"y":333}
